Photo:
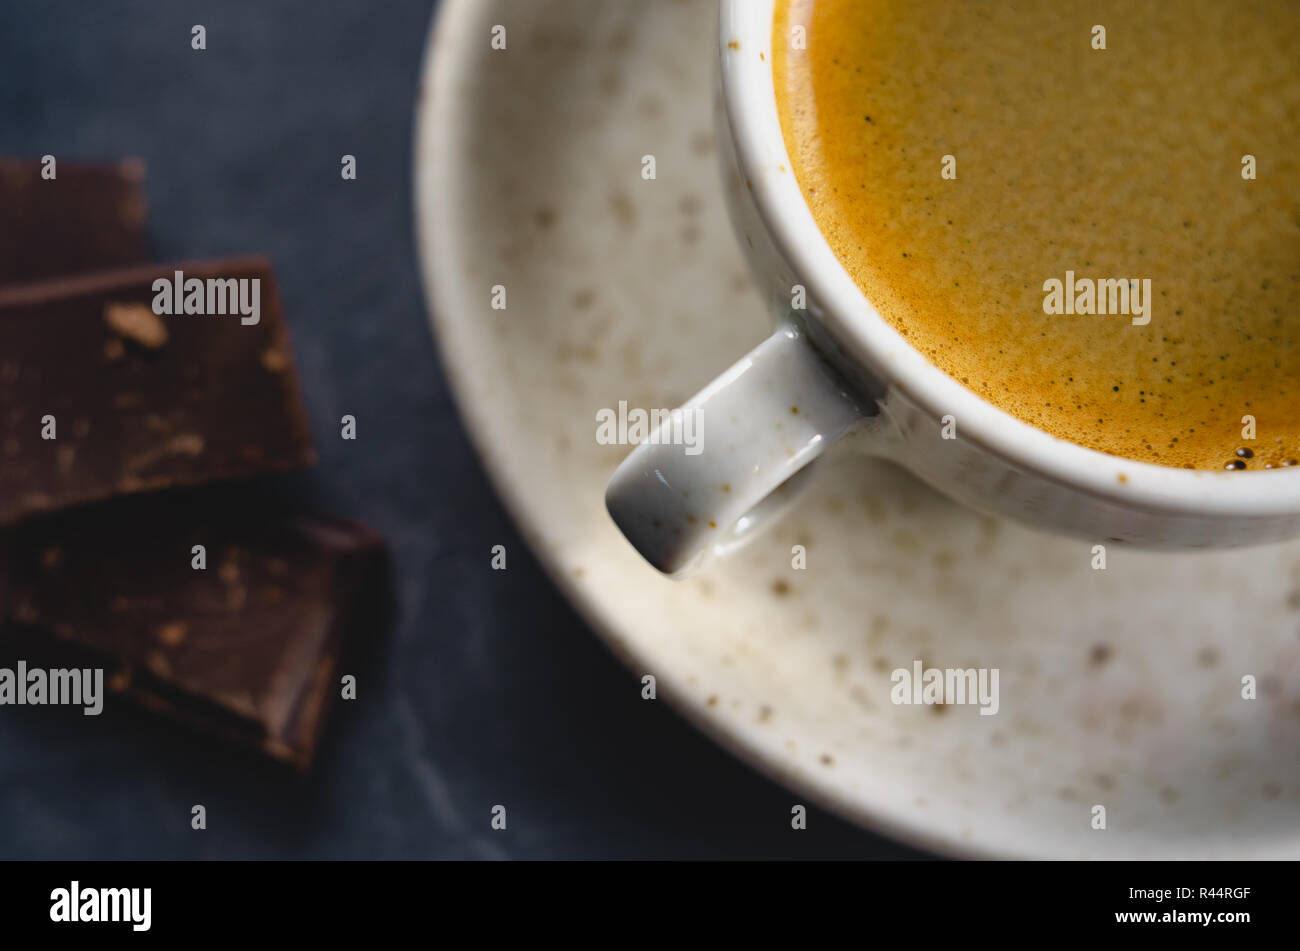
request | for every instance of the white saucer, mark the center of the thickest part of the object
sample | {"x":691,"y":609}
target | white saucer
{"x":1119,"y":688}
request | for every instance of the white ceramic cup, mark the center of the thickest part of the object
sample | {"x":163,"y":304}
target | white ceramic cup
{"x":838,"y":368}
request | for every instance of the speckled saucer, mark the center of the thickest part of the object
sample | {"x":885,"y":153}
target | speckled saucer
{"x":1119,"y":687}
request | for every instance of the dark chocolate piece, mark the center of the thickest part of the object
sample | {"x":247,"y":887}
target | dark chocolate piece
{"x":247,"y":647}
{"x":86,"y":217}
{"x":140,"y":401}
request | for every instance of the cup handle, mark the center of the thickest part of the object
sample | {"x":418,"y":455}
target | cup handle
{"x":756,"y":426}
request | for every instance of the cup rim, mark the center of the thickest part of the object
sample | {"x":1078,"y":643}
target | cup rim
{"x":749,"y":95}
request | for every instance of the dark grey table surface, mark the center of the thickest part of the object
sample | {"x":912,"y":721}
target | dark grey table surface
{"x":488,"y":688}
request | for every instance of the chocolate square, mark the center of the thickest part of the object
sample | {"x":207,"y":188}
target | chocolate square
{"x":89,"y":216}
{"x":137,"y":401}
{"x":243,"y":640}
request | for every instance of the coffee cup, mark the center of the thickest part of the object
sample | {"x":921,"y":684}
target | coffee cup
{"x":835,"y":371}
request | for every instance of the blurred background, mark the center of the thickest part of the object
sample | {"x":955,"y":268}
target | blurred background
{"x":488,"y":688}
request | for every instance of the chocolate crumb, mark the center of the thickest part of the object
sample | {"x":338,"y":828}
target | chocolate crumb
{"x":136,"y":322}
{"x":173,"y":633}
{"x":274,"y":361}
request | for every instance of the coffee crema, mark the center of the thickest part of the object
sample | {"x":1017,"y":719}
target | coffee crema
{"x":962,"y":157}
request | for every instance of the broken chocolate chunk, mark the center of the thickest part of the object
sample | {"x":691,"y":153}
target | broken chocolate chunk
{"x":111,"y":385}
{"x":215,"y":607}
{"x":83,"y":218}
